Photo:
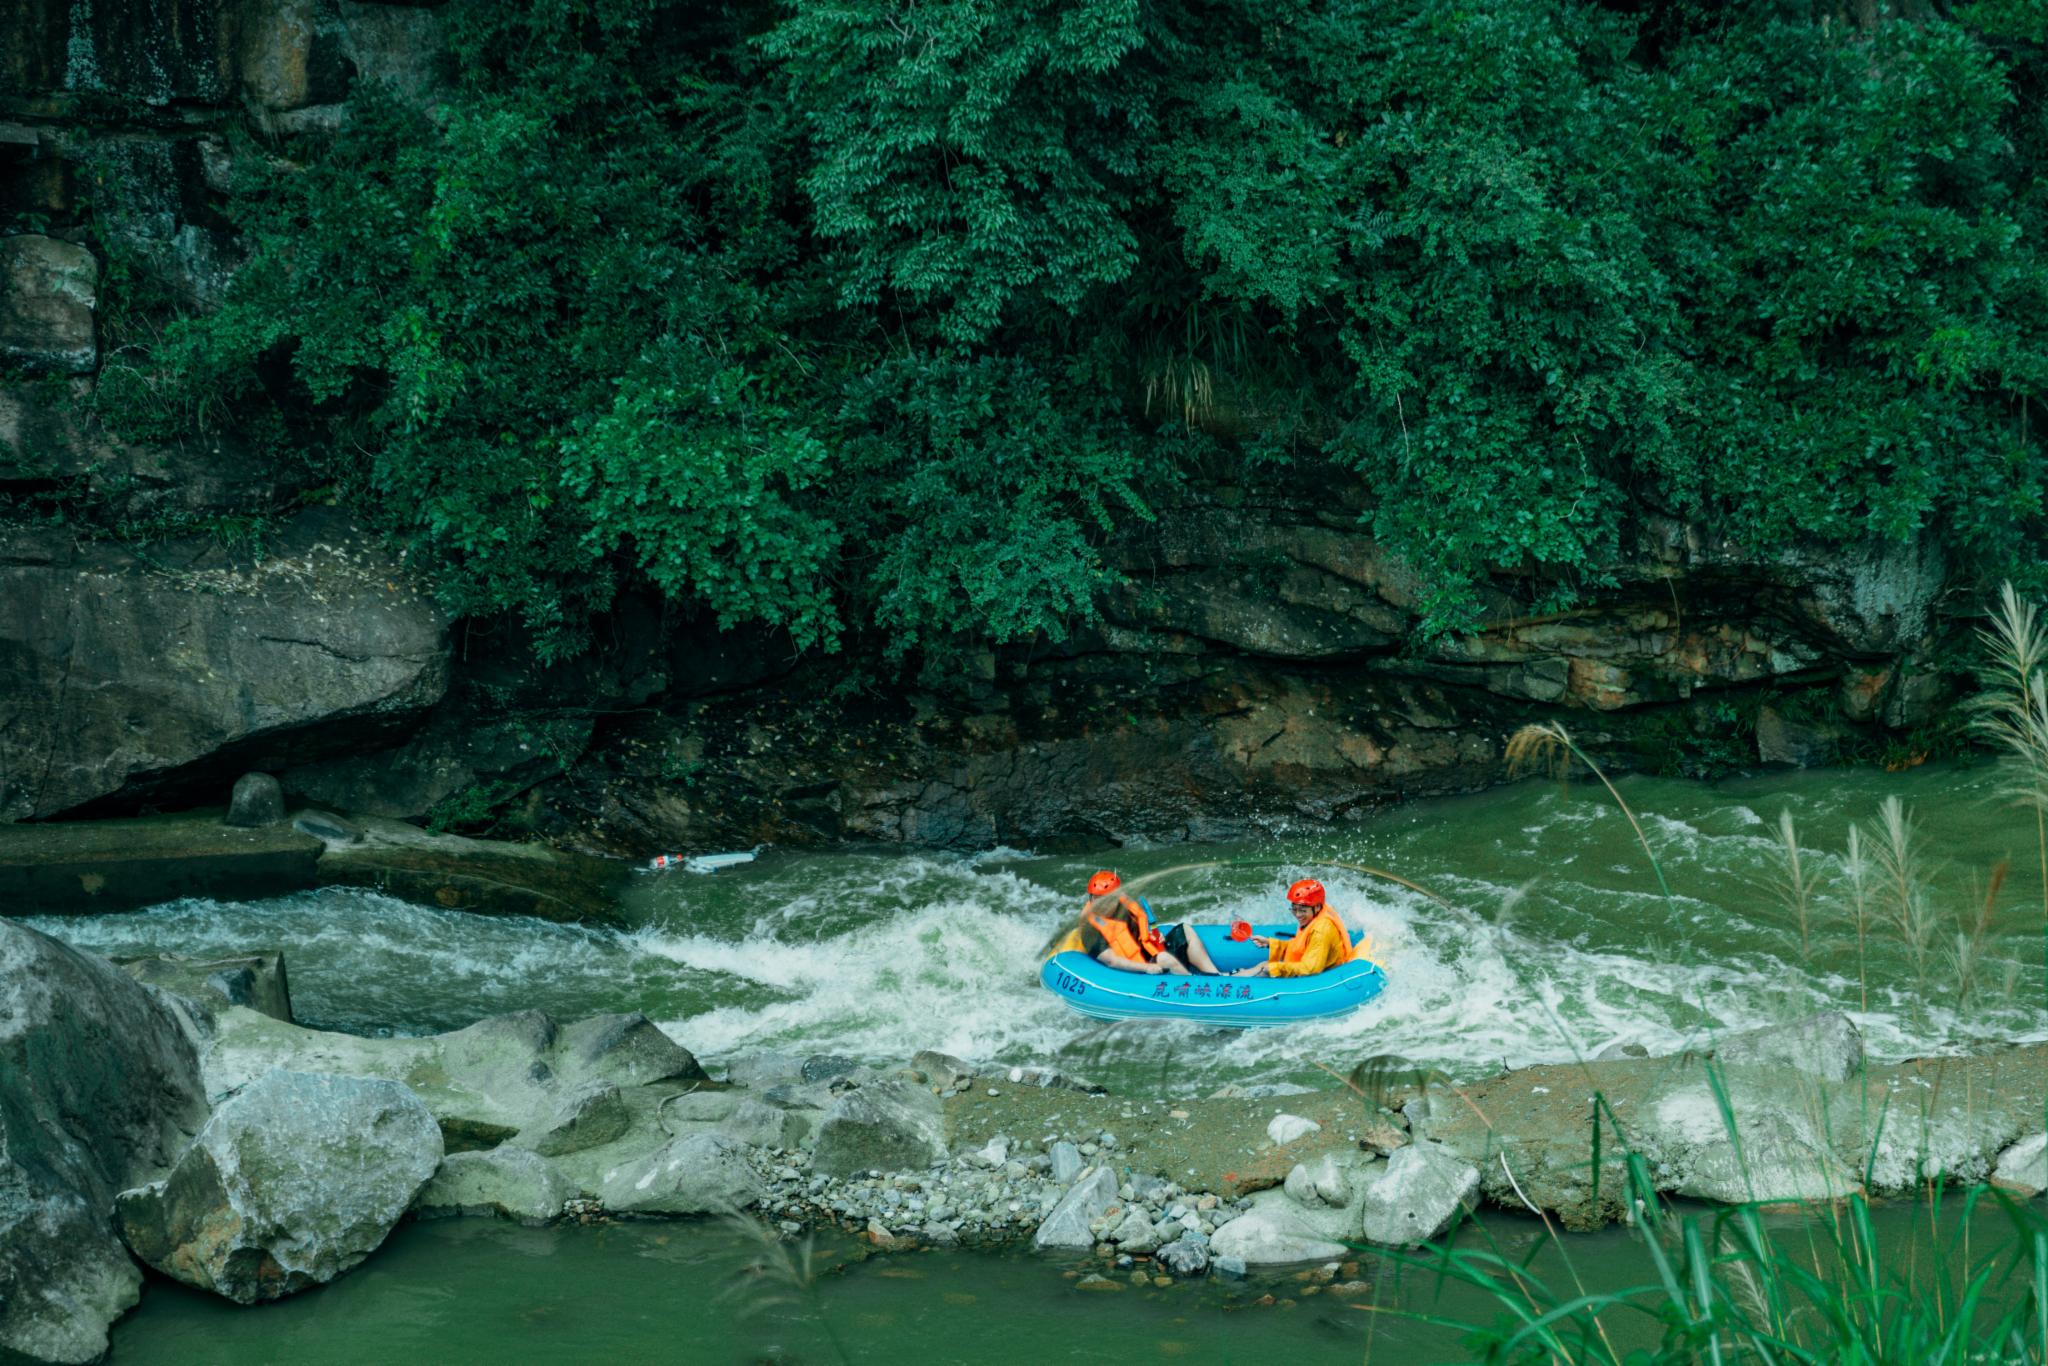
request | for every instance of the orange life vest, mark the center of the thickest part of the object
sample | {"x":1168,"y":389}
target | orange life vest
{"x":1340,"y":954}
{"x":1137,"y":941}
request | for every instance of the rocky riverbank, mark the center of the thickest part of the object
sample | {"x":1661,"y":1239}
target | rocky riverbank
{"x":258,"y":1157}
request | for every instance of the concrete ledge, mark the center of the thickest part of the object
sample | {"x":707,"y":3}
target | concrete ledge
{"x":88,"y":867}
{"x":92,"y":867}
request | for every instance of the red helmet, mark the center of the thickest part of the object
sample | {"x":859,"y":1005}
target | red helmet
{"x":1103,"y":883}
{"x":1307,"y":892}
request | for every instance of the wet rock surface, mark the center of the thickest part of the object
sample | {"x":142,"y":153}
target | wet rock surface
{"x":294,"y":1180}
{"x":322,"y":646}
{"x":99,"y":1089}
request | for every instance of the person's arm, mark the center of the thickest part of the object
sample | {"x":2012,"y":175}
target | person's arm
{"x":1314,"y":958}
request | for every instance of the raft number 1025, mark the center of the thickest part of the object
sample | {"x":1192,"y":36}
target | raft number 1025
{"x":1062,"y":980}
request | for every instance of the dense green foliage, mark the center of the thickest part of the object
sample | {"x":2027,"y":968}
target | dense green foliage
{"x":856,"y":317}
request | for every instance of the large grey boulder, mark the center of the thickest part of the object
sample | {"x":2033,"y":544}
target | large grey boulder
{"x":99,"y":1089}
{"x":508,"y":1181}
{"x":1274,"y":1232}
{"x":323,"y":645}
{"x":697,"y":1174}
{"x":1066,"y":1228}
{"x":881,"y":1126}
{"x":292,"y":1182}
{"x":1424,"y":1191}
{"x":1827,"y":1045}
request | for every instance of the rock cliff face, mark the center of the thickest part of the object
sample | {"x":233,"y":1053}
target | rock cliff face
{"x":1254,"y":669}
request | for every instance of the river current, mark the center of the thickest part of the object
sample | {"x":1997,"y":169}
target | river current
{"x":1557,"y":939}
{"x":1547,"y":936}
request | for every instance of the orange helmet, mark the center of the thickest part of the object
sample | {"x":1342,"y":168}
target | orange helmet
{"x":1307,"y":892}
{"x":1103,"y":883}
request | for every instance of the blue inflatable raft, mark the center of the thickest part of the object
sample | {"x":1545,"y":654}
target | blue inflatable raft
{"x":1223,"y":1002}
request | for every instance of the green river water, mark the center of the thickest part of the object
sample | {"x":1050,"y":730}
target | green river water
{"x":1558,"y":943}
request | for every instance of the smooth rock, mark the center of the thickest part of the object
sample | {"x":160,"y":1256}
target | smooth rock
{"x":2023,"y":1168}
{"x":1827,"y":1044}
{"x":293,"y":1181}
{"x":1066,"y":1227}
{"x":881,"y":1126}
{"x":1272,"y":1234}
{"x":585,"y":1118}
{"x":1621,"y":1049}
{"x":1424,"y":1190}
{"x":1229,"y":1268}
{"x":1286,"y":1128}
{"x":328,"y":827}
{"x":696,"y":1174}
{"x":1066,"y":1162}
{"x":509,"y":1181}
{"x":258,"y":800}
{"x":99,"y":1090}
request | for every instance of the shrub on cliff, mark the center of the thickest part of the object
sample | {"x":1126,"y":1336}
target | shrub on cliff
{"x":857,"y":317}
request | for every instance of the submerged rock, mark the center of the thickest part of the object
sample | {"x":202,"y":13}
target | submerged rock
{"x":1425,"y":1190}
{"x":698,"y":1174}
{"x":1067,"y":1227}
{"x":881,"y":1126}
{"x":1187,"y":1255}
{"x":292,"y":1182}
{"x":508,"y":1181}
{"x":99,"y":1090}
{"x":255,"y":980}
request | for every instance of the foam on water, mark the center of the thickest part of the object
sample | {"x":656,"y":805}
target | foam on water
{"x":1562,"y":944}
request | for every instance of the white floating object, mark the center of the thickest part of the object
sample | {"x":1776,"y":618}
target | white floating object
{"x":701,"y":863}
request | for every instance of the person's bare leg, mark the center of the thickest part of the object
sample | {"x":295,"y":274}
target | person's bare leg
{"x":1172,"y":965}
{"x":1198,"y":954}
